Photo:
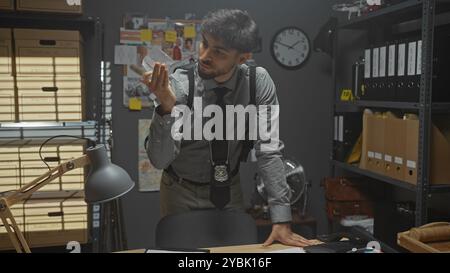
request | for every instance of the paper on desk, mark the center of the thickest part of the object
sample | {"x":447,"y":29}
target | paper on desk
{"x":172,"y":251}
{"x":289,"y":250}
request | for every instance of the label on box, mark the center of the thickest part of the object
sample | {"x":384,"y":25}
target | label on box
{"x":411,"y":164}
{"x":378,"y":156}
{"x":412,"y":54}
{"x":401,"y":60}
{"x":375,"y":62}
{"x":367,"y":64}
{"x":371,"y":154}
{"x":391,"y":61}
{"x":398,"y":160}
{"x":387,"y":158}
{"x":382,"y":62}
{"x":419,"y":57}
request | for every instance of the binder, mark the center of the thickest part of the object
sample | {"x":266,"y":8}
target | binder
{"x":401,"y":71}
{"x":418,"y":68}
{"x":391,"y":71}
{"x":375,"y":95}
{"x":367,"y":73}
{"x":441,"y":67}
{"x":382,"y":80}
{"x":358,"y":85}
{"x":411,"y":93}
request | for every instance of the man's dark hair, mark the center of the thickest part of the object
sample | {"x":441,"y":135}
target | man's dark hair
{"x":235,"y":28}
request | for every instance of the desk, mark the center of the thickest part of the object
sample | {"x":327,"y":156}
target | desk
{"x":257,"y":248}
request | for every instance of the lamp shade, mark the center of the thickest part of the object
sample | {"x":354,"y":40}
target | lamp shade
{"x":106,"y":181}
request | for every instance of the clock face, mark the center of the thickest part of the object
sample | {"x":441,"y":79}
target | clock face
{"x":290,"y":47}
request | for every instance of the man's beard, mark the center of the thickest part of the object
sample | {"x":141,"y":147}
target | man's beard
{"x":206,"y":76}
{"x":213,"y":74}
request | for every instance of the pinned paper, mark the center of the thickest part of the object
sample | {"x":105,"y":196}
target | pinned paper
{"x":146,"y":35}
{"x":135,"y":104}
{"x":171,"y":36}
{"x":130,"y":36}
{"x":125,"y":54}
{"x":189,"y":32}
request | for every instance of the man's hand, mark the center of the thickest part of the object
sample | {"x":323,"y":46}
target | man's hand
{"x":283,"y":234}
{"x":158,"y":83}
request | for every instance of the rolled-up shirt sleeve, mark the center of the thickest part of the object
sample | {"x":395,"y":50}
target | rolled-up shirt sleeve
{"x":162,"y":149}
{"x":269,"y":157}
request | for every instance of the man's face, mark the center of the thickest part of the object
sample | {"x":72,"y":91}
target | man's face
{"x":215,"y":59}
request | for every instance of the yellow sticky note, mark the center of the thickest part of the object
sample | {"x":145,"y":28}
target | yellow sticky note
{"x":135,"y":104}
{"x":189,"y":32}
{"x":146,"y":35}
{"x":171,"y":36}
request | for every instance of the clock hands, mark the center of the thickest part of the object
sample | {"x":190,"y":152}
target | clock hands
{"x":292,"y":46}
{"x":289,"y":47}
{"x":283,"y":44}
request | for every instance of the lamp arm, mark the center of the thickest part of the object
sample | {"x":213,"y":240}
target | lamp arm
{"x":27,"y":190}
{"x":16,"y":236}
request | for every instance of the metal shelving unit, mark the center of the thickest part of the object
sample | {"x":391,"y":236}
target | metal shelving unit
{"x":95,"y":127}
{"x":425,"y":10}
{"x":355,"y":106}
{"x":389,"y":180}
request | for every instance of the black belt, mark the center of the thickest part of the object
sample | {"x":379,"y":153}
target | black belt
{"x":169,"y":170}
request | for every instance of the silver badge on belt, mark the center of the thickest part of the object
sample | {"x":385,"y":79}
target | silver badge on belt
{"x":220,"y":173}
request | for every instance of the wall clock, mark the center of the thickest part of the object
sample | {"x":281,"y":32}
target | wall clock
{"x":291,"y":47}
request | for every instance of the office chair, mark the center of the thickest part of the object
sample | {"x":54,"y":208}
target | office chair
{"x":205,"y":228}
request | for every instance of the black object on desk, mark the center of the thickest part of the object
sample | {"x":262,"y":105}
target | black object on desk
{"x":358,"y":239}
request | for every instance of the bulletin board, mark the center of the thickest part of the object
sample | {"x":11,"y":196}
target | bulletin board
{"x":144,"y":41}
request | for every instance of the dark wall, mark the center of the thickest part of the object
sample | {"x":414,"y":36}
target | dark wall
{"x":304,"y":95}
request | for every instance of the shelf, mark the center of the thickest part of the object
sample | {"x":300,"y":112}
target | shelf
{"x":355,"y":106}
{"x":27,"y":133}
{"x":51,"y":196}
{"x":402,"y":12}
{"x":389,"y":180}
{"x":25,"y":20}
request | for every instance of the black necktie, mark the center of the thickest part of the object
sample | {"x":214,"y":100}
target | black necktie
{"x":220,"y":180}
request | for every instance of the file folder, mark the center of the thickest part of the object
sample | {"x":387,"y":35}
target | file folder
{"x":367,"y":73}
{"x":375,"y":95}
{"x":401,"y":71}
{"x":391,"y":71}
{"x":383,"y":92}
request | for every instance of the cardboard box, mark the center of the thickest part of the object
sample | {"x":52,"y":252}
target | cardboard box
{"x":411,"y":150}
{"x":378,"y":123}
{"x":50,"y":98}
{"x":6,"y":54}
{"x":366,"y":154}
{"x":6,"y":5}
{"x":439,"y":151}
{"x":49,"y":223}
{"x":48,"y":52}
{"x":373,"y":143}
{"x":397,"y":140}
{"x":389,"y":147}
{"x":399,"y":136}
{"x":58,"y":6}
{"x":7,"y":103}
{"x":394,"y":146}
